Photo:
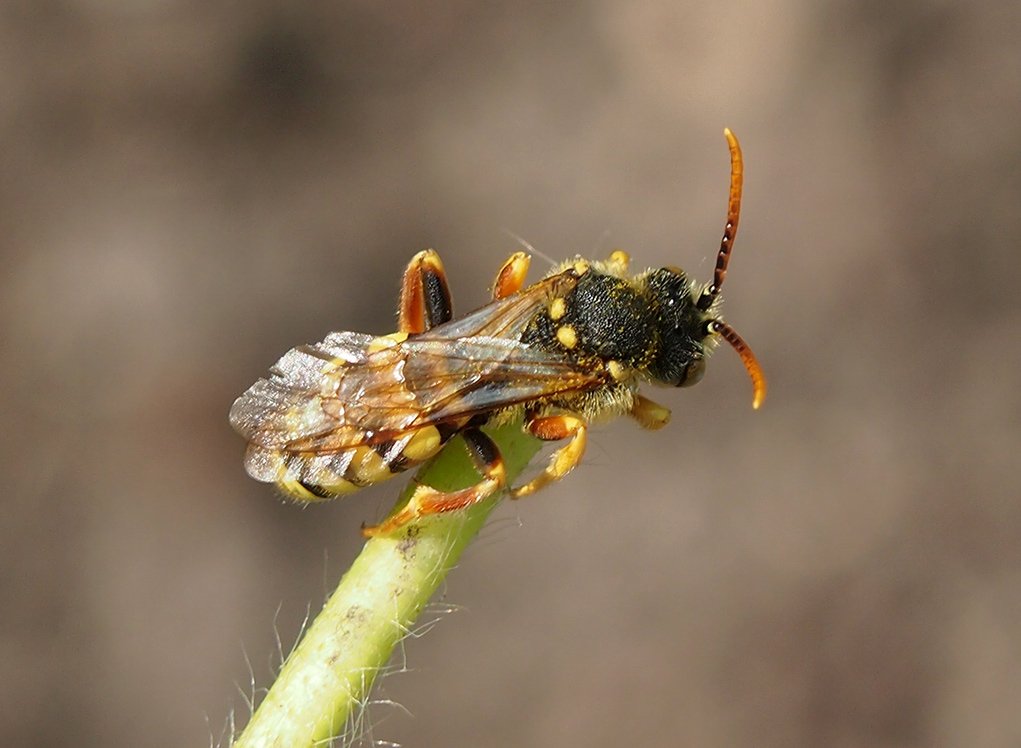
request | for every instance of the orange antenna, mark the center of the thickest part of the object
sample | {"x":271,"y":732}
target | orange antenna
{"x":730,"y":229}
{"x":751,"y":363}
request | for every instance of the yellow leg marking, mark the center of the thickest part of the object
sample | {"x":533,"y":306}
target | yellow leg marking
{"x":619,"y":260}
{"x":423,"y":445}
{"x":565,"y":459}
{"x":426,"y":500}
{"x":617,"y":370}
{"x":649,"y":414}
{"x":512,"y":275}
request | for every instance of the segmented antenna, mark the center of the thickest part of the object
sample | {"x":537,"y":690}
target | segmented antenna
{"x":730,"y":229}
{"x":751,"y":363}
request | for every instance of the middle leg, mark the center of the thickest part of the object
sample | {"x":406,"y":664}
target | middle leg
{"x":564,"y":460}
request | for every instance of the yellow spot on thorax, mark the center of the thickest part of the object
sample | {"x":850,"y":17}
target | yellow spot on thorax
{"x":567,"y":336}
{"x":557,"y":309}
{"x":619,"y":261}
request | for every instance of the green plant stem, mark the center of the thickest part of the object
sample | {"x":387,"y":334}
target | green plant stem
{"x":376,"y":603}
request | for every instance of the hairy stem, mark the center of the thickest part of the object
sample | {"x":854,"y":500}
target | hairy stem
{"x":330,"y":672}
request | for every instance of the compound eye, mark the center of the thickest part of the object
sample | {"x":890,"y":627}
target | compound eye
{"x":693,"y":373}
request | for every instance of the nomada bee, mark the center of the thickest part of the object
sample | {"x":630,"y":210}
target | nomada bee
{"x":355,"y":409}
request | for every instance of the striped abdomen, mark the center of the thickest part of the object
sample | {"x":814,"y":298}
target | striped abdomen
{"x":308,"y":477}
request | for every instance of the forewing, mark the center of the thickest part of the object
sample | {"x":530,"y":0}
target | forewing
{"x":348,"y":391}
{"x":506,"y":318}
{"x":473,"y":375}
{"x":298,"y":399}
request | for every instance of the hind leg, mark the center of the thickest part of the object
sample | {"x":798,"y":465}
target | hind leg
{"x":425,"y":297}
{"x":427,"y":500}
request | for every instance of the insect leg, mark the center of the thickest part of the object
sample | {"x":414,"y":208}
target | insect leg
{"x":650,"y":415}
{"x":427,"y":500}
{"x":618,"y":262}
{"x":563,"y":461}
{"x":425,"y":298}
{"x":511,"y":277}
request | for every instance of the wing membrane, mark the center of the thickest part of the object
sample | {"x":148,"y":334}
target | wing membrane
{"x":347,"y":390}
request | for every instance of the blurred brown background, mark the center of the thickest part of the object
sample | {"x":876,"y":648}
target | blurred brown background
{"x":188,"y":189}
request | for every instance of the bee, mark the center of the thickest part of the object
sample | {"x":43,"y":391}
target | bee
{"x":557,"y":356}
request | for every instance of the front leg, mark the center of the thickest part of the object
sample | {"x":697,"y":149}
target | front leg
{"x":649,"y":414}
{"x":618,"y":262}
{"x":563,"y":461}
{"x":425,"y":297}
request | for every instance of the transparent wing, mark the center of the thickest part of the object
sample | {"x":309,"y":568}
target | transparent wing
{"x":354,"y":389}
{"x":295,"y":401}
